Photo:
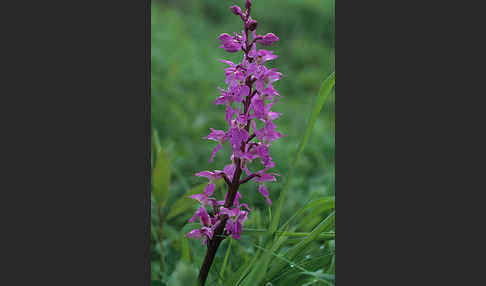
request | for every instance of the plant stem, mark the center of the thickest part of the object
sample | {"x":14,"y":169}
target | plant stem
{"x":214,"y":243}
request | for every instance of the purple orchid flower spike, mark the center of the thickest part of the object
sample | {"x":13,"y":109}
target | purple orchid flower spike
{"x":249,"y":96}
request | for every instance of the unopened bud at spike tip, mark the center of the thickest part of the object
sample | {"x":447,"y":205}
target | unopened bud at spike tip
{"x":248,"y":4}
{"x":236,"y":10}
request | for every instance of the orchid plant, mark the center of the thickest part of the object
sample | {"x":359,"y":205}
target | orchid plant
{"x":248,"y":98}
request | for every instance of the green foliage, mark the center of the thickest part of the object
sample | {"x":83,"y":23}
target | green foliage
{"x":185,"y":73}
{"x":161,"y":178}
{"x":184,"y":275}
{"x":323,"y":94}
{"x":292,"y":252}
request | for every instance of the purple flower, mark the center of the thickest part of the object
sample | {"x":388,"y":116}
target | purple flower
{"x":229,"y":43}
{"x":268,"y":39}
{"x":270,"y":115}
{"x":203,"y":217}
{"x":263,"y":190}
{"x":219,"y":136}
{"x":204,"y":200}
{"x":266,"y":76}
{"x":236,"y":218}
{"x":212,"y":176}
{"x":266,"y":177}
{"x":209,"y":190}
{"x":229,"y":170}
{"x":225,"y":98}
{"x":261,"y":56}
{"x":267,"y":134}
{"x":235,"y":73}
{"x":238,"y":136}
{"x":258,"y":108}
{"x":251,"y":24}
{"x":230,"y":112}
{"x":205,"y":232}
{"x":262,"y":152}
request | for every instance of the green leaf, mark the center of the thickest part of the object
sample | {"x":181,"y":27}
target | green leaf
{"x":225,"y":261}
{"x":156,"y":141}
{"x":155,"y":270}
{"x":183,"y":275}
{"x":322,"y":96}
{"x":298,"y":248}
{"x":156,"y":283}
{"x":320,"y":205}
{"x":320,"y":275}
{"x":284,"y":259}
{"x":185,"y":250}
{"x":241,"y":273}
{"x":324,"y":235}
{"x":260,"y":268}
{"x":161,"y":179}
{"x":155,"y":147}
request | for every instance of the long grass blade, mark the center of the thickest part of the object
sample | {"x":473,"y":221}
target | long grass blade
{"x":323,"y":204}
{"x":322,"y":96}
{"x":292,"y":252}
{"x":225,"y":261}
{"x":242,"y":272}
{"x":161,"y":178}
{"x":326,"y":235}
{"x":260,"y":268}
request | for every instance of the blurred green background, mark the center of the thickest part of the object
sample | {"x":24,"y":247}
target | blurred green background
{"x":185,"y":73}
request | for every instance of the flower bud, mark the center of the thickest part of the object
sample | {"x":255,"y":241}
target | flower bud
{"x":268,"y":39}
{"x":248,"y":4}
{"x":252,"y":24}
{"x":236,"y":10}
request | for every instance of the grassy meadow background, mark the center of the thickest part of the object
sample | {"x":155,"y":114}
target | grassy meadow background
{"x":185,"y":71}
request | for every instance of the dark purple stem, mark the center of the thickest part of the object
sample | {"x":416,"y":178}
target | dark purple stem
{"x":249,"y":138}
{"x":249,"y":178}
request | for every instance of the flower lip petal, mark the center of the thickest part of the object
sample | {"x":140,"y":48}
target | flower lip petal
{"x":225,"y":37}
{"x":206,"y":174}
{"x":227,"y":62}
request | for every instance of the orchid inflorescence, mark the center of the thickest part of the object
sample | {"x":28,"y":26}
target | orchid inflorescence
{"x":244,"y":105}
